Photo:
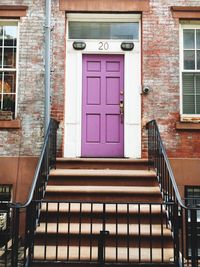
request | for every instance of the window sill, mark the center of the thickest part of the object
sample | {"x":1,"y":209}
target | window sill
{"x":187,"y":126}
{"x":13,"y":124}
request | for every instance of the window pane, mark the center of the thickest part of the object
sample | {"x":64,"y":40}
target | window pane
{"x":10,"y":35}
{"x":198,"y":84}
{"x":9,"y":82}
{"x":9,"y":102}
{"x":189,"y":60}
{"x":188,"y":84}
{"x":103,"y":30}
{"x":9,"y":58}
{"x":198,"y":104}
{"x":198,"y":39}
{"x":198,"y":60}
{"x":1,"y":54}
{"x":188,"y":104}
{"x":188,"y":39}
{"x":1,"y":35}
{"x":1,"y":101}
{"x":1,"y":83}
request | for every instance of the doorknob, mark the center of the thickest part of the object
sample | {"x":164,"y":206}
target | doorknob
{"x":121,"y":106}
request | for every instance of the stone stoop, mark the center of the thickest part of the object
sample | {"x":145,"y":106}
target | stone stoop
{"x":69,"y":230}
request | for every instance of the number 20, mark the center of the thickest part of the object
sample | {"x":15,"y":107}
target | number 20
{"x":103,"y":46}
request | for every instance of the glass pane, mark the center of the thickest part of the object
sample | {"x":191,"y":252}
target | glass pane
{"x":198,"y":84}
{"x":9,"y":58}
{"x":189,"y":60}
{"x":188,"y":104}
{"x":188,"y":39}
{"x":1,"y":83}
{"x":9,"y":102}
{"x":1,"y":35}
{"x":188,"y":84}
{"x":198,"y":59}
{"x":198,"y":104}
{"x":9,"y":82}
{"x":1,"y":57}
{"x":103,"y":30}
{"x":198,"y":39}
{"x":10,"y":35}
{"x":1,"y":102}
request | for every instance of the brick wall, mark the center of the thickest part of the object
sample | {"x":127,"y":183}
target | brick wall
{"x":28,"y":139}
{"x":160,"y":72}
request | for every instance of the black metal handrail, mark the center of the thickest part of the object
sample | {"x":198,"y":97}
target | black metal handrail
{"x":24,"y":216}
{"x":48,"y":155}
{"x":188,"y":234}
{"x":113,"y":233}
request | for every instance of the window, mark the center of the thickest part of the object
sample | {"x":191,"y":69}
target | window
{"x":8,"y":65}
{"x":104,"y":30}
{"x":192,"y":199}
{"x":5,"y":197}
{"x":190,"y":69}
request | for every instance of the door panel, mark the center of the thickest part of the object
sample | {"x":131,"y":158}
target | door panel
{"x":102,"y":123}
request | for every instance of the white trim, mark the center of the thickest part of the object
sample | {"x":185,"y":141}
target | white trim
{"x":17,"y":68}
{"x":183,"y":26}
{"x":103,"y":17}
{"x":132,"y":97}
{"x":17,"y":62}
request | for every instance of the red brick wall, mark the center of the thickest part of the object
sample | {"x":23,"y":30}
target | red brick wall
{"x":160,"y":64}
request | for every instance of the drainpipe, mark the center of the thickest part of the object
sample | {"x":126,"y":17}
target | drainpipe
{"x":47,"y":64}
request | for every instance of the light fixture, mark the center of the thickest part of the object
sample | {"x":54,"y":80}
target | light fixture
{"x":79,"y":45}
{"x":127,"y":46}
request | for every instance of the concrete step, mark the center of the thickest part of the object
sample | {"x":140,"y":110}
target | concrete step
{"x":113,"y":241}
{"x":95,"y":228}
{"x":76,"y":264}
{"x":131,"y":213}
{"x":103,"y":177}
{"x":73,"y":253}
{"x":97,"y":208}
{"x":102,"y":163}
{"x":104,"y":193}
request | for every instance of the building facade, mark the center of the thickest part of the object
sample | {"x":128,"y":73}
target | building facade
{"x":114,"y":67}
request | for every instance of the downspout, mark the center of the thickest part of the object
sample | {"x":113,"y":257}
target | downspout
{"x":47,"y":64}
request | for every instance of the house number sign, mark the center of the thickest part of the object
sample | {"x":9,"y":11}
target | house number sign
{"x":103,"y":46}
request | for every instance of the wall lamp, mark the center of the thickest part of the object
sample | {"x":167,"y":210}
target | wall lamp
{"x":127,"y":46}
{"x":78,"y":45}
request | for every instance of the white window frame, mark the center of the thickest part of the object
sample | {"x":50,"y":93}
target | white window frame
{"x":17,"y":61}
{"x":184,"y":26}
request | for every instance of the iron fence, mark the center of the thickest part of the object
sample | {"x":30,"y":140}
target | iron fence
{"x":187,"y":216}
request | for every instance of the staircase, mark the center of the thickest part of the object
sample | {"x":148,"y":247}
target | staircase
{"x":98,"y":210}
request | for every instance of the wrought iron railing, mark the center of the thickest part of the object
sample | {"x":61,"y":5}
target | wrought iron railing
{"x":127,"y":234}
{"x":185,"y":219}
{"x":23,"y":218}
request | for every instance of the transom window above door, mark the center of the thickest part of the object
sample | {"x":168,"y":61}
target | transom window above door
{"x":190,"y":69}
{"x":103,"y":30}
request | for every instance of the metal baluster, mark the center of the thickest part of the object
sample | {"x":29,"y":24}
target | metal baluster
{"x":150,"y":222}
{"x":79,"y":235}
{"x":128,"y":234}
{"x":57,"y":229}
{"x":139,"y":232}
{"x":68,"y":231}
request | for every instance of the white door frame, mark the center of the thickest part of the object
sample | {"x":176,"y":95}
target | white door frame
{"x":132,"y":87}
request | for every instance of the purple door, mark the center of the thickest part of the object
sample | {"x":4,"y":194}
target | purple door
{"x":102,"y":116}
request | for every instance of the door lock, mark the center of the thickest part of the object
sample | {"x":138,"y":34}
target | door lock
{"x":121,"y":106}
